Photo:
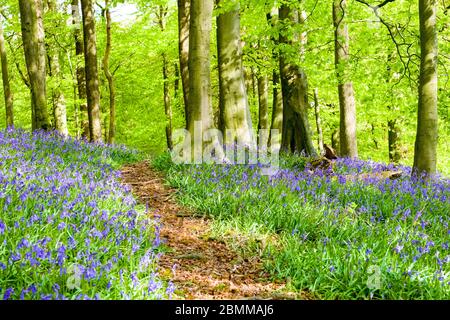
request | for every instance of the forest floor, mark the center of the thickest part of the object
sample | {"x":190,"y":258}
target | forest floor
{"x":200,"y":267}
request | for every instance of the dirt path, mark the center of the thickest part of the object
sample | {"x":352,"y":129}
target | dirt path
{"x":205,"y":268}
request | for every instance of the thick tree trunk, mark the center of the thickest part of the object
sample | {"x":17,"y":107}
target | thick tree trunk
{"x":263,"y":112}
{"x":183,"y":48}
{"x":425,"y":155}
{"x":91,"y":69}
{"x":200,"y":105}
{"x":347,"y":135}
{"x":109,"y":76}
{"x":296,"y":136}
{"x":234,"y":108}
{"x":58,"y":100}
{"x":318,"y":121}
{"x":5,"y":77}
{"x":34,"y":47}
{"x":81,"y":75}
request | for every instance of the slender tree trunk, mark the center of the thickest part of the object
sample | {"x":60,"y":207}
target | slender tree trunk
{"x":200,"y":105}
{"x":393,"y":139}
{"x":335,"y":141}
{"x":34,"y":47}
{"x":176,"y":81}
{"x":58,"y":100}
{"x":76,"y":111}
{"x":318,"y":121}
{"x":81,"y":75}
{"x":425,"y":154}
{"x":374,"y":139}
{"x":296,"y":136}
{"x":277,"y":103}
{"x":167,"y":102}
{"x":263,"y":102}
{"x":234,"y":107}
{"x":5,"y":77}
{"x":91,"y":69}
{"x":347,"y":135}
{"x":393,"y":126}
{"x":109,"y":76}
{"x":183,"y":48}
{"x":165,"y":69}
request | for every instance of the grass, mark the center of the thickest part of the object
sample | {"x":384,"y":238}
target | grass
{"x":339,"y":239}
{"x":68,"y":228}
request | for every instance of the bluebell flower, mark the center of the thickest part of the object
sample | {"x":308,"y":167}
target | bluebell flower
{"x":2,"y":227}
{"x":8,"y":293}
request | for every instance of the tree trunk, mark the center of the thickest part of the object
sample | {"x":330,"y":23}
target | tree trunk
{"x":183,"y":48}
{"x":91,"y":69}
{"x":318,"y":121}
{"x":81,"y":75}
{"x":347,"y":135}
{"x":176,"y":81}
{"x":393,"y":139}
{"x":263,"y":102}
{"x":296,"y":136}
{"x":165,"y":69}
{"x":200,"y":105}
{"x":59,"y":103}
{"x":34,"y":48}
{"x":109,"y":76}
{"x":277,"y":103}
{"x":234,"y":108}
{"x":335,"y":140}
{"x":5,"y":77}
{"x":425,"y":155}
{"x":167,"y":102}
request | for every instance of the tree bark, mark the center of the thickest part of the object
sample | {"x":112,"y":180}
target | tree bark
{"x":200,"y":105}
{"x":109,"y":76}
{"x":425,"y":154}
{"x":277,"y":103}
{"x":58,"y":100}
{"x":335,"y":140}
{"x":80,"y":72}
{"x":235,"y":117}
{"x":183,"y":48}
{"x":263,"y":102}
{"x":5,"y":77}
{"x":91,"y":69}
{"x":296,"y":136}
{"x":34,"y":48}
{"x":393,"y":126}
{"x":318,"y":121}
{"x":393,"y":139}
{"x":167,"y":102}
{"x":348,"y":143}
{"x":165,"y":69}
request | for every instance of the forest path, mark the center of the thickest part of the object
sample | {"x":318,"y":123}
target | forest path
{"x":205,"y":268}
